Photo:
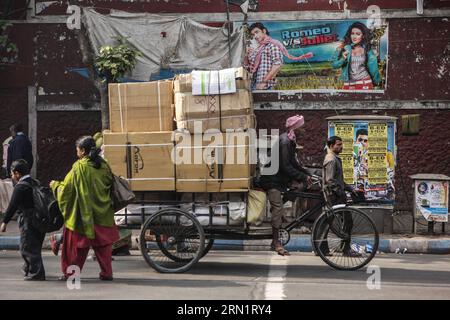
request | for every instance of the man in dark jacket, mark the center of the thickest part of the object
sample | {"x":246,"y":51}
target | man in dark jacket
{"x":333,"y":174}
{"x":335,"y":187}
{"x":19,"y":147}
{"x":31,"y":239}
{"x":290,"y":171}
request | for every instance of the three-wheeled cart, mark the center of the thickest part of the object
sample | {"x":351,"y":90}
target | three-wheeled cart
{"x":177,"y":233}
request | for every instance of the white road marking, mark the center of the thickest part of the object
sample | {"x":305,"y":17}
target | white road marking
{"x":277,"y":274}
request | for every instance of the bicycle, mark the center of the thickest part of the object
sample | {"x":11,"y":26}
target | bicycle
{"x":344,"y":237}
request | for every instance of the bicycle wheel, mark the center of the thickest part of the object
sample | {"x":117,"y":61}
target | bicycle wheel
{"x":345,"y":238}
{"x":208,"y":245}
{"x":172,"y":241}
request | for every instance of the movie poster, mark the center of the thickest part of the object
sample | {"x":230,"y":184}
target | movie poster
{"x":319,"y":56}
{"x":432,"y":200}
{"x":368,"y":157}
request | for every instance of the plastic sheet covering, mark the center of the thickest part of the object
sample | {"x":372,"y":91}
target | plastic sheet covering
{"x":256,"y":206}
{"x":173,"y":42}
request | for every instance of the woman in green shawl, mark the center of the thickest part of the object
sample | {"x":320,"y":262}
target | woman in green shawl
{"x":85,"y":202}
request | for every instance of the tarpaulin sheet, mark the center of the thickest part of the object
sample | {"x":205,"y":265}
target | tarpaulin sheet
{"x":169,"y":42}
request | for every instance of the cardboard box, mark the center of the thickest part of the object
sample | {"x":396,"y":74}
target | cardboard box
{"x":141,"y":106}
{"x":238,"y":122}
{"x":189,"y":107}
{"x":221,"y":166}
{"x":144,"y":159}
{"x":183,"y":82}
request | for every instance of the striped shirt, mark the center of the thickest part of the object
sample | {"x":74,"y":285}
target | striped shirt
{"x":270,"y":56}
{"x":358,"y":70}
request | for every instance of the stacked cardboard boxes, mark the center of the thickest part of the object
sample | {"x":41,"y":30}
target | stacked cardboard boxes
{"x":141,"y":106}
{"x":139,"y":144}
{"x":183,"y":82}
{"x":144,"y":158}
{"x":198,"y":113}
{"x":142,"y":146}
{"x":217,"y":162}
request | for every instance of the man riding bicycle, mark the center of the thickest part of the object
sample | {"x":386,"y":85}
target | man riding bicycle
{"x":290,"y":174}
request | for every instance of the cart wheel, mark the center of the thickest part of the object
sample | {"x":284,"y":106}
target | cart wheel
{"x":208,"y":245}
{"x":284,"y":236}
{"x":172,"y":241}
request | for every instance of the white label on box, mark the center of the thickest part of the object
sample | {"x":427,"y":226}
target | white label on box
{"x":206,"y":82}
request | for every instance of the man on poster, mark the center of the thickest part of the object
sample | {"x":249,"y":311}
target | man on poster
{"x":264,"y":57}
{"x":361,"y":156}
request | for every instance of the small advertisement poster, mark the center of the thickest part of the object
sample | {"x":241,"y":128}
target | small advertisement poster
{"x":377,"y":168}
{"x":347,"y":167}
{"x":432,"y":200}
{"x":318,"y":56}
{"x":368,"y":157}
{"x":378,"y":137}
{"x":345,"y":131}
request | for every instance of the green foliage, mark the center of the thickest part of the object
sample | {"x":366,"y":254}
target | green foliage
{"x":8,"y":49}
{"x":114,"y":61}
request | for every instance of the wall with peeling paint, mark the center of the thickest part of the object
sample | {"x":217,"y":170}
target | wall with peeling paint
{"x":17,"y":9}
{"x":423,"y":153}
{"x":57,"y":133}
{"x":418,"y":75}
{"x":45,"y":7}
{"x":202,"y":6}
{"x":46,"y":51}
{"x":14,"y":108}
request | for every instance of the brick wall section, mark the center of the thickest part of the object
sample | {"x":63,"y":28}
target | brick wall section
{"x":419,"y":65}
{"x":57,"y":133}
{"x":17,"y":8}
{"x":14,"y":108}
{"x":424,"y":153}
{"x":56,"y":51}
{"x":418,"y":71}
{"x":213,"y":6}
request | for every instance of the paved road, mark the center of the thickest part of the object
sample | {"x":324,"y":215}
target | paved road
{"x":238,"y":275}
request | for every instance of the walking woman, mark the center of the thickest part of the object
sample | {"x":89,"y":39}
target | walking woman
{"x":357,"y":60}
{"x":84,"y":199}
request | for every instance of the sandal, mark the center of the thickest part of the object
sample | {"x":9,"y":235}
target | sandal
{"x":280,"y":250}
{"x":54,"y":244}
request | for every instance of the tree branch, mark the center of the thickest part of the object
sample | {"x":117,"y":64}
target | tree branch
{"x":88,"y":60}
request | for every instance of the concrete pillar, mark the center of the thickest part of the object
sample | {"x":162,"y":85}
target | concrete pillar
{"x":31,"y":10}
{"x":419,"y":7}
{"x":32,"y":126}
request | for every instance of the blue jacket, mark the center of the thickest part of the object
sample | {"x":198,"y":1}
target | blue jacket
{"x":371,"y":64}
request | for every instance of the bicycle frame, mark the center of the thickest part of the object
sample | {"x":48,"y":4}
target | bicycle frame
{"x":305,"y":195}
{"x":318,"y":207}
